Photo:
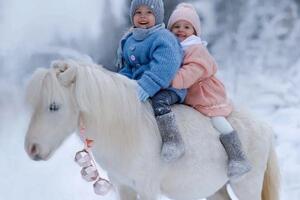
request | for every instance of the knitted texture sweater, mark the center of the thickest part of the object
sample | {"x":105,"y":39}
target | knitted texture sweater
{"x":153,"y":61}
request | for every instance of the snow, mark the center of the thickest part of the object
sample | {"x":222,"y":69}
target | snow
{"x":259,"y":63}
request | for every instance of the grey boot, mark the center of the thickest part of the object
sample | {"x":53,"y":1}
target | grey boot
{"x":238,"y":164}
{"x":172,"y":143}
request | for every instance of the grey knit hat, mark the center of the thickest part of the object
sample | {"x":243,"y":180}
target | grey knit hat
{"x":157,"y":6}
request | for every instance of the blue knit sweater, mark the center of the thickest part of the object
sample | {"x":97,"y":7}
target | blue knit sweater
{"x":153,"y":61}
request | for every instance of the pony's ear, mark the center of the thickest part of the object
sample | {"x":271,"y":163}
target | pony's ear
{"x":59,"y":65}
{"x":67,"y":77}
{"x":66,"y":71}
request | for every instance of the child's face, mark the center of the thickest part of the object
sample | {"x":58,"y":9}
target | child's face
{"x":143,"y":17}
{"x":183,"y":29}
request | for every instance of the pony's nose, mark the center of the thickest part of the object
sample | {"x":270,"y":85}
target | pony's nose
{"x":34,"y":151}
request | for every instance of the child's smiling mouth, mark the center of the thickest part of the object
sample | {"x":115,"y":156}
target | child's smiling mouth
{"x":181,"y":35}
{"x":143,"y":23}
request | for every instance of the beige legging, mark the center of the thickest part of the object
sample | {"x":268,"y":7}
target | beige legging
{"x":222,"y":125}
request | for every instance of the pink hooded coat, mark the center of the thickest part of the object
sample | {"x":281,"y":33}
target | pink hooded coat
{"x":205,"y":92}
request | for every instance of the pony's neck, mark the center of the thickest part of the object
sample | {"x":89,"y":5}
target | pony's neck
{"x":115,"y":118}
{"x":115,"y":146}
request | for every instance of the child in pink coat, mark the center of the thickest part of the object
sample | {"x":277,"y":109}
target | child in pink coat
{"x":206,"y":93}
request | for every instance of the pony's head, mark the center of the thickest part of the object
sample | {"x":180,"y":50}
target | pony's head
{"x":106,"y":101}
{"x":54,"y":110}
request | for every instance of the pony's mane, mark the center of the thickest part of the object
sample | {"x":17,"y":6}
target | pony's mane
{"x":43,"y":87}
{"x":110,"y":101}
{"x":110,"y":94}
{"x":107,"y":97}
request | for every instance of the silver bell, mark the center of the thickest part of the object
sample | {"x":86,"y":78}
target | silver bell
{"x":102,"y":187}
{"x":83,"y":158}
{"x":89,"y":173}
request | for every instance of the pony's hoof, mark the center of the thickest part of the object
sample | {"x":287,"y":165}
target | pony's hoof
{"x":237,"y":169}
{"x":171,"y":151}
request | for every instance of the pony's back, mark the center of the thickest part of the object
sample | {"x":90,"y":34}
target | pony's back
{"x":205,"y":160}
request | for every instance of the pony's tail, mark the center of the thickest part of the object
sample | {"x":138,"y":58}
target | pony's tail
{"x":271,"y":185}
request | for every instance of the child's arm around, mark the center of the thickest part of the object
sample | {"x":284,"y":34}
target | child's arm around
{"x":198,"y":64}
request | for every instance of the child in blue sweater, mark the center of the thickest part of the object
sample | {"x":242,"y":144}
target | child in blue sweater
{"x":152,"y":55}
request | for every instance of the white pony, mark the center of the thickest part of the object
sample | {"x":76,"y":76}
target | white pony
{"x":127,"y":141}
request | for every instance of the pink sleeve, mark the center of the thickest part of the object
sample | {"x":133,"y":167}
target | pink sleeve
{"x":197,"y":65}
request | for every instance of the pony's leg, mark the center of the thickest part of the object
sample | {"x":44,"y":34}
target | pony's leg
{"x":220,"y":195}
{"x":126,"y":193}
{"x":249,"y":187}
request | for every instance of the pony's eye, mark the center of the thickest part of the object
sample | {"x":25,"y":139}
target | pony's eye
{"x":54,"y":107}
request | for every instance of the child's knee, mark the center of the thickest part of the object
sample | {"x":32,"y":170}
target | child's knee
{"x":161,"y":107}
{"x":221,"y":124}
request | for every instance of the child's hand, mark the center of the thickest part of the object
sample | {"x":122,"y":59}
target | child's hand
{"x":142,"y":94}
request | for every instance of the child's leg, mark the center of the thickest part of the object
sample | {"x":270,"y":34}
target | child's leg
{"x":172,"y":143}
{"x":222,"y":125}
{"x":238,"y":164}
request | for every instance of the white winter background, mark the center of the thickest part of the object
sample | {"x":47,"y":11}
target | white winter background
{"x":256,"y":44}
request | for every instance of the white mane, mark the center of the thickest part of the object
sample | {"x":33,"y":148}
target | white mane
{"x":112,"y":95}
{"x":44,"y":88}
{"x":109,"y":101}
{"x":96,"y":89}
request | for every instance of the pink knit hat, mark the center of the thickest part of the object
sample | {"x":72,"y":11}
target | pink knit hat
{"x":187,"y":12}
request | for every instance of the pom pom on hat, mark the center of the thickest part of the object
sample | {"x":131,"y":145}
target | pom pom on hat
{"x":187,"y":12}
{"x":185,"y":5}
